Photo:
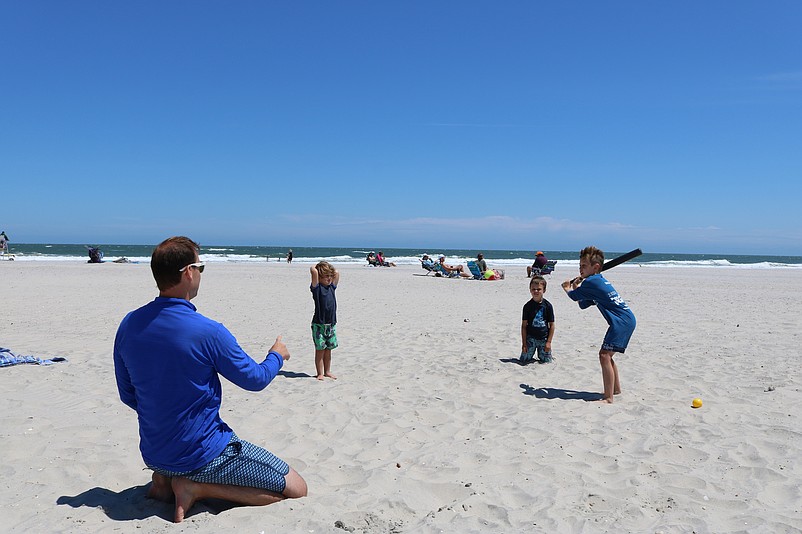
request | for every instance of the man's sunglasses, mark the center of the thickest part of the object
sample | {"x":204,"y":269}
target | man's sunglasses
{"x":199,"y":266}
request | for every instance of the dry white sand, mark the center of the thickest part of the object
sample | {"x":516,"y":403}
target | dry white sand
{"x":432,"y":426}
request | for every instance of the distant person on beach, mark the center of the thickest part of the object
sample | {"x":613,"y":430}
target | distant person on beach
{"x":590,"y":288}
{"x":95,"y":255}
{"x":481,"y":263}
{"x":4,"y":242}
{"x":540,"y":261}
{"x":384,"y":263}
{"x":426,"y":262}
{"x":324,"y":323}
{"x":289,"y":256}
{"x":487,"y":274}
{"x":459,"y":269}
{"x":372,"y":261}
{"x":537,"y":324}
{"x":167,"y":358}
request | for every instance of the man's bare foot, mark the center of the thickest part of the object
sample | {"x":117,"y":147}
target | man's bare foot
{"x":184,"y":490}
{"x":605,"y":400}
{"x":617,"y":392}
{"x":319,"y":377}
{"x":330,"y":376}
{"x":161,"y":488}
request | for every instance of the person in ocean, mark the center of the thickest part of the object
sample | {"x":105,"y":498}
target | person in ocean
{"x":537,"y":324}
{"x":324,"y":323}
{"x":591,"y":288}
{"x":289,"y":256}
{"x":167,"y":362}
{"x":3,"y":243}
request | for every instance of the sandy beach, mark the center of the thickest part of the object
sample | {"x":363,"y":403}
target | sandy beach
{"x":432,"y":425}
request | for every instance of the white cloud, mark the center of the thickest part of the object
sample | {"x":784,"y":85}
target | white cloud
{"x":504,"y":232}
{"x":791,"y":80}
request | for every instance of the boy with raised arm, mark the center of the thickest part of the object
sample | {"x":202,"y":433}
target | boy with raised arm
{"x":324,"y":323}
{"x":590,"y":288}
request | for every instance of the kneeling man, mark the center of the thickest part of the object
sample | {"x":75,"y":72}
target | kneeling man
{"x":167,"y":358}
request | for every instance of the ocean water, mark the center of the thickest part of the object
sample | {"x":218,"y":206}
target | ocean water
{"x":400,"y":256}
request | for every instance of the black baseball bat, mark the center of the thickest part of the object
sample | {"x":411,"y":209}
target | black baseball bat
{"x":621,"y":259}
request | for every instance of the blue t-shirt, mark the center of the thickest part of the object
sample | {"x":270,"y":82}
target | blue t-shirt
{"x":166,"y":360}
{"x":325,"y":304}
{"x":595,"y":289}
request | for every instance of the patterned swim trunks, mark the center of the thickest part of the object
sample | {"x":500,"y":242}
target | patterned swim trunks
{"x":324,"y":336}
{"x":240,"y":464}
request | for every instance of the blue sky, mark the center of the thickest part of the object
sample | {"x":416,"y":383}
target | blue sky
{"x":670,"y":126}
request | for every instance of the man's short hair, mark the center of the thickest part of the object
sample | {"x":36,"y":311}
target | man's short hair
{"x":593,"y":255}
{"x":169,"y":257}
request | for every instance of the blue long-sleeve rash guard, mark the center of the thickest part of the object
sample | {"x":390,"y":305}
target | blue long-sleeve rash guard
{"x":167,"y":357}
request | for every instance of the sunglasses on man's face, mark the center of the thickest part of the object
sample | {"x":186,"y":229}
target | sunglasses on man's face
{"x":199,"y":266}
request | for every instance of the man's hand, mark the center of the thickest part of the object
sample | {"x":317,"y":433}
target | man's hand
{"x":280,"y":348}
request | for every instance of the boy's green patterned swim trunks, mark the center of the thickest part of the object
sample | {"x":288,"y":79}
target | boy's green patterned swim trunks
{"x":324,"y":336}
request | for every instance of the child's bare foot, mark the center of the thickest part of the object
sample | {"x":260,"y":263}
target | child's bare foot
{"x":184,"y":490}
{"x":330,"y":376}
{"x":161,"y":488}
{"x":319,"y":377}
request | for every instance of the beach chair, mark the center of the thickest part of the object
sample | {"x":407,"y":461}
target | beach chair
{"x":95,"y":255}
{"x":439,"y":271}
{"x":475,"y":270}
{"x":546,"y":269}
{"x":429,"y":266}
{"x":496,"y":274}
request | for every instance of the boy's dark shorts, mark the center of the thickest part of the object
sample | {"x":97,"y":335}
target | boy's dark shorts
{"x":536,"y":346}
{"x":617,"y":339}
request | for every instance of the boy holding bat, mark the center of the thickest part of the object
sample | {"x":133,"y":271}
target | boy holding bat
{"x":592,"y":288}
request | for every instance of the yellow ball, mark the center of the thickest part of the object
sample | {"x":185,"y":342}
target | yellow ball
{"x":697,"y":403}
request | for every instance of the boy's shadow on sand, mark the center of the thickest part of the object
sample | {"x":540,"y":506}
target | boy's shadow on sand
{"x":132,"y":503}
{"x":292,"y":374}
{"x":563,"y":394}
{"x":517,"y":361}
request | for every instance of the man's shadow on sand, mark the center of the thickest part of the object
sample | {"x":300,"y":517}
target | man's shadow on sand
{"x":132,"y":503}
{"x":563,"y":394}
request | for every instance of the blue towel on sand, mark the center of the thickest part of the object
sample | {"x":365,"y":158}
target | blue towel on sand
{"x":8,"y":358}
